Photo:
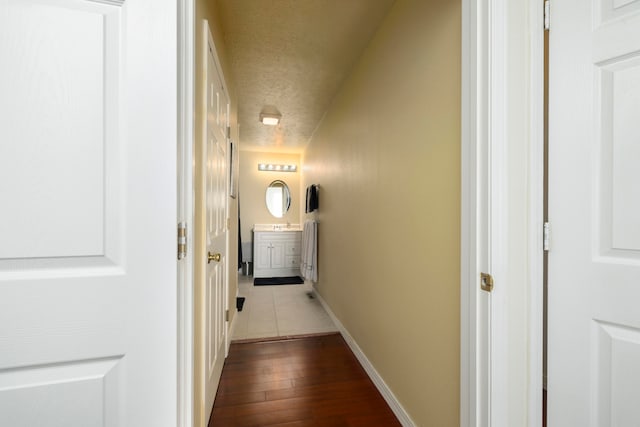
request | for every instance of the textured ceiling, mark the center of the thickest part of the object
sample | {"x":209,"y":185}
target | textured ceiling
{"x":292,"y":55}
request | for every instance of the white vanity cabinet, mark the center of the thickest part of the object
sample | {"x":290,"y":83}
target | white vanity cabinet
{"x":276,"y":253}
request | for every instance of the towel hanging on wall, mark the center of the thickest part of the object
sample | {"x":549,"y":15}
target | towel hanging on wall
{"x":312,"y":198}
{"x":309,"y":255}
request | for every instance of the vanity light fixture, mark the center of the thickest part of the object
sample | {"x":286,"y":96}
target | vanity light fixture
{"x":276,"y":168}
{"x":270,"y":119}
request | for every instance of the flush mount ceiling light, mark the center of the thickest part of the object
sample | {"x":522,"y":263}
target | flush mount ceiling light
{"x":271,"y":119}
{"x":276,"y":168}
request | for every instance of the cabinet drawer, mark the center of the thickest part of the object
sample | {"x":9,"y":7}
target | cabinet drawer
{"x":277,"y":236}
{"x":292,"y":248}
{"x":292,"y":261}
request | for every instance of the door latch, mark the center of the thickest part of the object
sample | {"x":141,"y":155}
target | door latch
{"x":486,"y":282}
{"x":182,"y":240}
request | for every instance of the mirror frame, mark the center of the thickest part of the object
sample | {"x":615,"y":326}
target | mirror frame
{"x":286,"y":205}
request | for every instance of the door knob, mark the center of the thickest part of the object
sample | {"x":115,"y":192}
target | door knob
{"x":213,"y":257}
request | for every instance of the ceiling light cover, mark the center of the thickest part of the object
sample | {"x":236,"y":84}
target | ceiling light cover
{"x":271,"y":119}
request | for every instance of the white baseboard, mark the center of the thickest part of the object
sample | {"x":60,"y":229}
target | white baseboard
{"x":230,"y":331}
{"x":382,"y":387}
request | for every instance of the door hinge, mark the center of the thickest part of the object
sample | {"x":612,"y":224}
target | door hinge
{"x":486,"y":282}
{"x":228,"y":131}
{"x":547,"y":13}
{"x":182,"y":240}
{"x":545,"y":236}
{"x":228,"y":223}
{"x":226,"y":316}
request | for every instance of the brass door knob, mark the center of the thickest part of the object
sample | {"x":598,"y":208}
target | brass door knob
{"x":213,"y":257}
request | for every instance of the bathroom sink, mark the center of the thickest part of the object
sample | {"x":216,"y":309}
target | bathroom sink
{"x":277,"y":227}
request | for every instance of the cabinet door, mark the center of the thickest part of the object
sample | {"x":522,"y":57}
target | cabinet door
{"x":277,"y":255}
{"x":262,"y":255}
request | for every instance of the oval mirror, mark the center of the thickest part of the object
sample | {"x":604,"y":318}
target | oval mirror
{"x":278,"y":198}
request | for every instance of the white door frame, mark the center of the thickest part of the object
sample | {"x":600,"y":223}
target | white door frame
{"x":483,"y":138}
{"x":487,"y":71}
{"x":186,"y":70}
{"x":471,"y":83}
{"x":536,"y":212}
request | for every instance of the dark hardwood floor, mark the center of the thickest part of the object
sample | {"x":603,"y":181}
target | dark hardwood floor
{"x":311,"y":381}
{"x":544,"y":408}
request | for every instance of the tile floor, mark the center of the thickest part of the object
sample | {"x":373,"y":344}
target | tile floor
{"x":274,"y":311}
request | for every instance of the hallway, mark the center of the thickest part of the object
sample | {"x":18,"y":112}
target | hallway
{"x":385,"y":152}
{"x":277,"y":311}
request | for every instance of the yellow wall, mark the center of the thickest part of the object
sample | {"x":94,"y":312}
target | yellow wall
{"x":207,"y":10}
{"x":253,"y":185}
{"x":387,"y":158}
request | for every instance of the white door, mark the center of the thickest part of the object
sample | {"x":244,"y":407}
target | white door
{"x":87,"y":213}
{"x":594,"y":212}
{"x":216,"y":227}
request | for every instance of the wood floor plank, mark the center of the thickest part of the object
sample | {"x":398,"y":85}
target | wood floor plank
{"x":253,"y":387}
{"x":321,"y":391}
{"x":298,"y":382}
{"x":231,"y":399}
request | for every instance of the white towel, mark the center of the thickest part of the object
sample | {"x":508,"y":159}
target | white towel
{"x":309,"y":255}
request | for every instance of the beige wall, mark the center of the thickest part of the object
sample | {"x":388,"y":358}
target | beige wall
{"x":387,"y":158}
{"x":208,"y":10}
{"x":253,"y":184}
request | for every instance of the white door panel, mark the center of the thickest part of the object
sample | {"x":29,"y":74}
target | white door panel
{"x":54,"y":102}
{"x":594,"y":211}
{"x":47,"y":392}
{"x":87,"y":222}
